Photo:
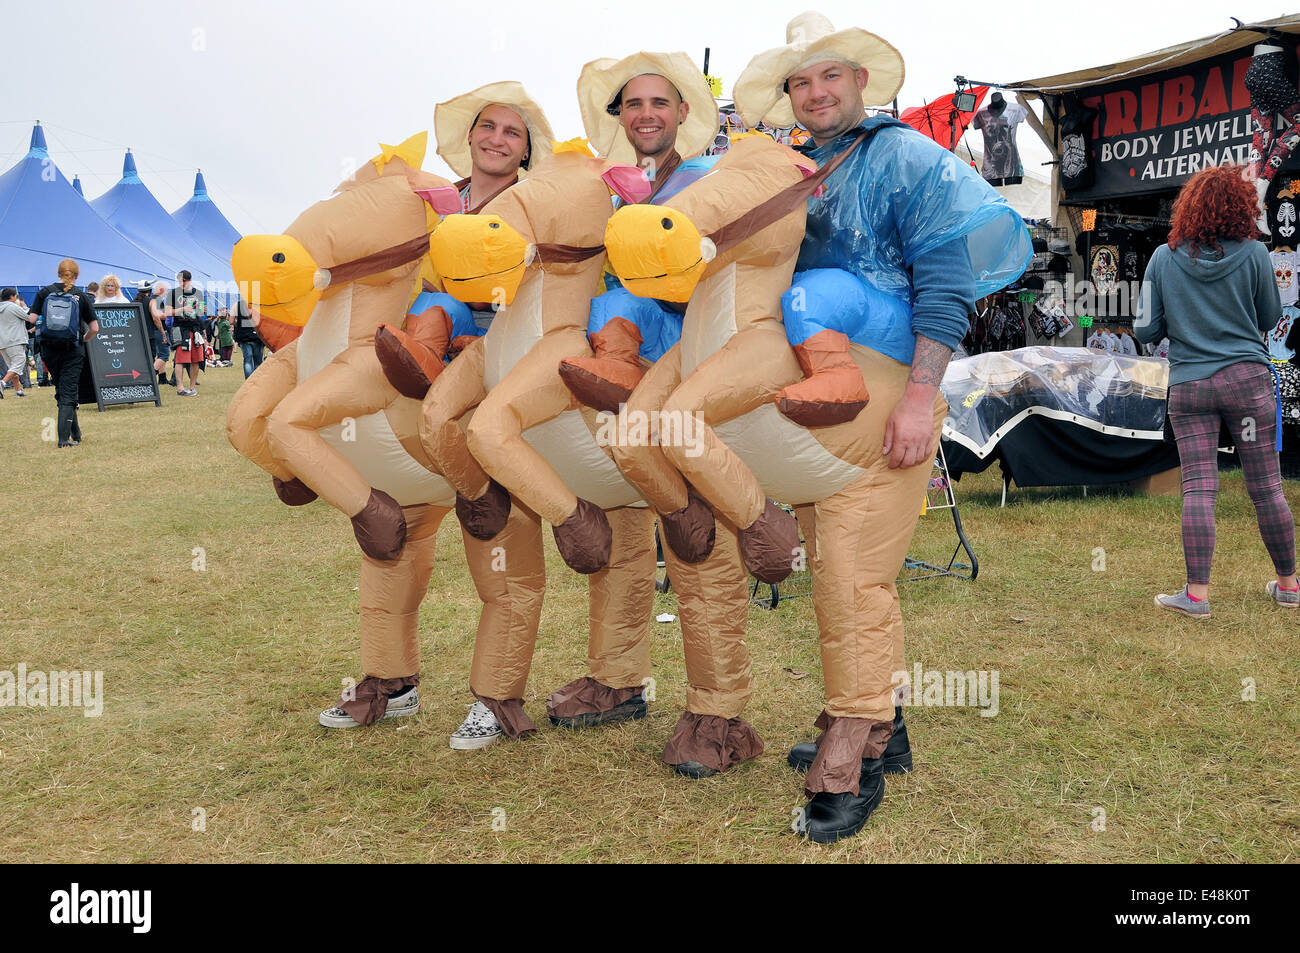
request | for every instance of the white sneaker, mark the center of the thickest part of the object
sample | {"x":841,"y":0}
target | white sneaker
{"x":399,"y":706}
{"x":479,"y":729}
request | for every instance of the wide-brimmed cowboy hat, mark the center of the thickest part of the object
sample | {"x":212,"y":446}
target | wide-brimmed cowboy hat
{"x":453,"y":120}
{"x":760,"y":94}
{"x":602,"y":80}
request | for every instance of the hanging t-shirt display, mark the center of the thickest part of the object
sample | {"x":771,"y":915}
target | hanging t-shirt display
{"x":1282,"y":207}
{"x":1077,"y":169}
{"x":1284,"y":267}
{"x":1001,"y":155}
{"x":1278,"y":347}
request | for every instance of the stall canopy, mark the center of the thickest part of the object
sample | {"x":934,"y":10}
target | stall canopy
{"x":1160,"y":60}
{"x":203,"y":221}
{"x":43,"y":220}
{"x":131,"y":208}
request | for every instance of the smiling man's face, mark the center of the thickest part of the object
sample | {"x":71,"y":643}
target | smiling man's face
{"x":650,"y":113}
{"x":827,"y":99}
{"x":499,"y":141}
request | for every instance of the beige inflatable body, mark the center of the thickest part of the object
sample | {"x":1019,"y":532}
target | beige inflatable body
{"x":322,"y":419}
{"x":538,"y":250}
{"x":731,"y":366}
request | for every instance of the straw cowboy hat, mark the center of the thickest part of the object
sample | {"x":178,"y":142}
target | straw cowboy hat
{"x":760,"y":94}
{"x":453,"y":120}
{"x":602,"y":80}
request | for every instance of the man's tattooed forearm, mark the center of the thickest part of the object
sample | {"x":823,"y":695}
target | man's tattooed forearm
{"x":929,"y":362}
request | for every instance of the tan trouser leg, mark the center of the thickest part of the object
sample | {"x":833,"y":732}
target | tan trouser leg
{"x":713,"y":600}
{"x":391,"y":593}
{"x":509,"y":573}
{"x":621,"y":598}
{"x":863,"y":533}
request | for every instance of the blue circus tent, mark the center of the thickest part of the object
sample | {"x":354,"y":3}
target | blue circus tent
{"x":131,"y":208}
{"x":44,"y":220}
{"x":203,"y":221}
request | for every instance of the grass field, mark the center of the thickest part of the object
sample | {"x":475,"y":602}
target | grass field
{"x":213,"y":681}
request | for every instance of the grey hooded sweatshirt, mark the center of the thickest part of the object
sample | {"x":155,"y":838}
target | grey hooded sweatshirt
{"x":1214,"y":308}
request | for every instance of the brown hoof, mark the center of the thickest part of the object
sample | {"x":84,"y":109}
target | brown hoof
{"x":409,"y":366}
{"x":770,"y":546}
{"x":816,"y":413}
{"x":690,"y":531}
{"x":600,"y":382}
{"x":585,"y":539}
{"x":293,"y":491}
{"x":486,"y":516}
{"x":380,"y":528}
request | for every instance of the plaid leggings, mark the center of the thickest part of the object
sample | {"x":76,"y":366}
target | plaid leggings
{"x":1241,"y":396}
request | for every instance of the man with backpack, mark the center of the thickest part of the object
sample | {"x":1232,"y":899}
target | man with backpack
{"x":66,"y":319}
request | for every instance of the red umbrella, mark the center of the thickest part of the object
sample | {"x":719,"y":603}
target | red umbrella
{"x":941,"y":120}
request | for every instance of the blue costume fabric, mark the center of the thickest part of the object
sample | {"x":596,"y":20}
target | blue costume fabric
{"x":463,"y":319}
{"x":660,"y":325}
{"x":920,"y":230}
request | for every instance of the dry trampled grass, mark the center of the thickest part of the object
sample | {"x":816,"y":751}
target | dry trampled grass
{"x":213,"y":680}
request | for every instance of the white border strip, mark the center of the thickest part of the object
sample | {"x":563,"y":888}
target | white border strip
{"x":1006,"y":428}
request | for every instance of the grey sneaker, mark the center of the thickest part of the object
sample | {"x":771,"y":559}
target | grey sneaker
{"x":479,"y":729}
{"x":1287,"y":600}
{"x":399,"y":706}
{"x":1179,"y":602}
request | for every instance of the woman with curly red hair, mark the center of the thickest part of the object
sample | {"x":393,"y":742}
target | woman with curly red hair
{"x":1211,"y":290}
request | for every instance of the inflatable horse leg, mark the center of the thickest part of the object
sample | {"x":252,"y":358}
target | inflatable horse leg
{"x":856,"y":602}
{"x":481,"y":504}
{"x":713,"y":600}
{"x":741,"y":377}
{"x":352,"y":385}
{"x":246,"y":418}
{"x":684,"y":517}
{"x":833,"y":391}
{"x":509,"y":574}
{"x":621,"y":601}
{"x":412,"y":356}
{"x":531,"y":394}
{"x":391,"y":592}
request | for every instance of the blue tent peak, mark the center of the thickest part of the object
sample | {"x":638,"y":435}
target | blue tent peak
{"x":38,"y":149}
{"x":76,"y":184}
{"x":201,"y":188}
{"x":128,"y":168}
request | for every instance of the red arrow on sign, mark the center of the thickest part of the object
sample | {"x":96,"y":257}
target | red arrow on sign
{"x":134,"y":374}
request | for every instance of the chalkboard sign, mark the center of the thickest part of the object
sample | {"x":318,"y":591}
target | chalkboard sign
{"x":120,"y":357}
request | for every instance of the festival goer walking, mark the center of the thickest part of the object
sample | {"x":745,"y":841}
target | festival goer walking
{"x":250,"y":345}
{"x":1212,"y":290}
{"x":13,"y":341}
{"x":225,"y":341}
{"x":67,"y":319}
{"x":184,"y":307}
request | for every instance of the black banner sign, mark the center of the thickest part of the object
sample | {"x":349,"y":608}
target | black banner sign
{"x":1154,"y":132}
{"x":119,"y":357}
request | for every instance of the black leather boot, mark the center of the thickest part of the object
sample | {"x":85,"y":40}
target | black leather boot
{"x":829,"y":817}
{"x":897,"y":757}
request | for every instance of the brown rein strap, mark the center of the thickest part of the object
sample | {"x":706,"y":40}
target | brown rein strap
{"x":550,"y":253}
{"x":662,"y":175}
{"x":779,"y":205}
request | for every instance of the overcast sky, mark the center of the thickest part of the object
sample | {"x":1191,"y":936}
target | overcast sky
{"x":277,"y":101}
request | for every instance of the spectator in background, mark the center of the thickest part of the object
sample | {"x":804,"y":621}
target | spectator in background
{"x":1212,"y":290}
{"x":246,"y":337}
{"x":92,"y":289}
{"x":110,"y":291}
{"x":225,"y":341}
{"x":14,"y":321}
{"x":157,"y":313}
{"x":183,"y":307}
{"x":64,"y":356}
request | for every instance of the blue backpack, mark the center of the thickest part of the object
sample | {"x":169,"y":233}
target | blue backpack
{"x":61,"y":317}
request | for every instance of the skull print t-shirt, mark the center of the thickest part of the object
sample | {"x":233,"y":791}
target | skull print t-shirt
{"x":1001,"y":155}
{"x":1284,"y":267}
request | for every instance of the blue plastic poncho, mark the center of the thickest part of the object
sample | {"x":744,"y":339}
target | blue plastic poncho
{"x":896,"y":198}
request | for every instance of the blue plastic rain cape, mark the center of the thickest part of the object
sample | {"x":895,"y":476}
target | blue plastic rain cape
{"x":660,"y":326}
{"x":463,"y":319}
{"x":831,"y":298}
{"x":900,"y":196}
